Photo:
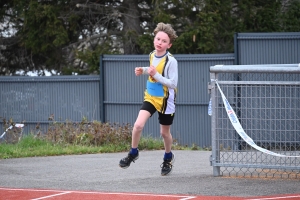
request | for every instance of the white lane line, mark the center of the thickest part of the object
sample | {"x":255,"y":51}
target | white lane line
{"x":50,"y":196}
{"x":103,"y":193}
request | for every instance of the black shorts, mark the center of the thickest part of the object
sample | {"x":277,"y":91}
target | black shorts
{"x":164,"y":119}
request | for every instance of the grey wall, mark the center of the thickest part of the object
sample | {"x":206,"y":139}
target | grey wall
{"x":35,"y":99}
{"x":267,"y":48}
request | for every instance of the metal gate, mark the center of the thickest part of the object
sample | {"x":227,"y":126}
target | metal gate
{"x":255,"y":120}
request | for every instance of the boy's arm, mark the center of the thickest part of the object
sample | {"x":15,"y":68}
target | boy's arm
{"x":172,"y":75}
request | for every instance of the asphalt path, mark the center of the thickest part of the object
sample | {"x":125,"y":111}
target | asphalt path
{"x":191,"y":175}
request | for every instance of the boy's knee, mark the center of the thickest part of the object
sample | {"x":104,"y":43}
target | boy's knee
{"x":138,"y":126}
{"x":165,"y":134}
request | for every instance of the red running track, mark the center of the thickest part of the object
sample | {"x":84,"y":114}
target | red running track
{"x":39,"y":194}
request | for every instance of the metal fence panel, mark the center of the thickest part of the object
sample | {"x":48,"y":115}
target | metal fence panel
{"x":268,"y":112}
{"x":35,"y":99}
{"x":267,"y":48}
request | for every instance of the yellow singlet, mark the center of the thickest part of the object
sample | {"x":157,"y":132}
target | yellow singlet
{"x":162,"y":100}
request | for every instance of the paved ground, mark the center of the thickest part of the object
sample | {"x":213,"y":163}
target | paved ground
{"x":192,"y":175}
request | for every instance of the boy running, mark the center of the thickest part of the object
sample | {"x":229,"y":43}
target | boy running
{"x":159,"y":96}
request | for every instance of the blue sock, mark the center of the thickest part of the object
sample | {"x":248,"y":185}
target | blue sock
{"x":168,"y":155}
{"x":133,"y":151}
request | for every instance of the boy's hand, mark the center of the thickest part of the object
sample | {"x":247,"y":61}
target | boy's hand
{"x":138,"y":71}
{"x":151,"y":70}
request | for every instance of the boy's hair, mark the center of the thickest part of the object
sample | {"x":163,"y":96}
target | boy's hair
{"x":167,"y":28}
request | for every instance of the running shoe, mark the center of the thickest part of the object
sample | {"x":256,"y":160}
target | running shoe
{"x":125,"y":162}
{"x":167,"y":165}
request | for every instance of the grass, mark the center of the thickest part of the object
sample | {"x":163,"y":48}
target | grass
{"x":31,"y":146}
{"x":79,"y":138}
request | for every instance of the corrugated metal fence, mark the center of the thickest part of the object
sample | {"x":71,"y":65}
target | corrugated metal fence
{"x":116,"y":95}
{"x":267,"y":48}
{"x":36,"y":99}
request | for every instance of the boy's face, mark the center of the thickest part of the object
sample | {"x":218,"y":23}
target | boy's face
{"x":161,"y":42}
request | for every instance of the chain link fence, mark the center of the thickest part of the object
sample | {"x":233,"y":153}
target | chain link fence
{"x":266,"y":102}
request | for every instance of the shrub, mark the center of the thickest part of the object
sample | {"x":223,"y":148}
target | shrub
{"x":89,"y":133}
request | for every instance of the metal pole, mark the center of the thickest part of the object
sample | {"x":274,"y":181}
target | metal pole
{"x":101,"y":98}
{"x":215,"y":150}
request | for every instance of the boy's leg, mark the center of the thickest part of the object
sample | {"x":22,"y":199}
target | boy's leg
{"x":165,"y":131}
{"x":169,"y":157}
{"x":139,"y":124}
{"x":166,"y":121}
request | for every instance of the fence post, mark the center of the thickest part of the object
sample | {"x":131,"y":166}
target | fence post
{"x":236,"y":49}
{"x":101,"y":87}
{"x":215,"y":149}
{"x":237,"y":142}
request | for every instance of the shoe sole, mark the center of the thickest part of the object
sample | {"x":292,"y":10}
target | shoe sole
{"x":125,"y":167}
{"x":173,"y":161}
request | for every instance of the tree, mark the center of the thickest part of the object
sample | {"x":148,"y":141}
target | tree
{"x":290,"y":16}
{"x":69,"y":36}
